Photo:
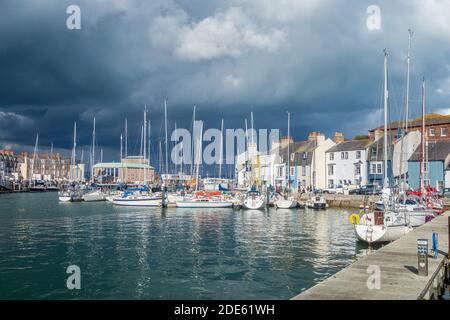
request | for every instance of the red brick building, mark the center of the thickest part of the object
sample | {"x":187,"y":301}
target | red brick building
{"x":437,"y":127}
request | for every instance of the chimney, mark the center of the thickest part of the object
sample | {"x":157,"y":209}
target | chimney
{"x":338,"y":137}
{"x":316,"y":137}
{"x":378,"y":134}
{"x":285,"y":141}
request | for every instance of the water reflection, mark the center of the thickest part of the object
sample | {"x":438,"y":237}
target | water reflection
{"x":139,"y":253}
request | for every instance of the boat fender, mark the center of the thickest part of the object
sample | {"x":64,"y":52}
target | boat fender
{"x":354,"y":218}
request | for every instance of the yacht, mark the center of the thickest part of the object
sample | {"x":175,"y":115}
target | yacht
{"x":254,"y":200}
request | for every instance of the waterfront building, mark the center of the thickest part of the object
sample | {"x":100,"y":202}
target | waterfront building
{"x":49,"y":167}
{"x":132,"y":169}
{"x":375,"y":160}
{"x":9,"y":165}
{"x":436,"y":165}
{"x":307,"y":163}
{"x":437,"y":127}
{"x":346,"y":163}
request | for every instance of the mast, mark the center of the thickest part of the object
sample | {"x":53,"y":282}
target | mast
{"x":126,"y":150}
{"x":247,"y":151}
{"x":405,"y":141}
{"x":408,"y":63}
{"x":199,"y":150}
{"x":144,"y":148}
{"x":34,"y":156}
{"x":73,"y":160}
{"x":422,"y":142}
{"x":121,"y":147}
{"x":221,"y":150}
{"x":288,"y":152}
{"x":386,"y":97}
{"x":165,"y":134}
{"x":192,"y":142}
{"x":93,"y":152}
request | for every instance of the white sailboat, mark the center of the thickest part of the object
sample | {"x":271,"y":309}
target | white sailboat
{"x":386,"y":225}
{"x":287,"y":202}
{"x":254,"y":200}
{"x":140,"y":197}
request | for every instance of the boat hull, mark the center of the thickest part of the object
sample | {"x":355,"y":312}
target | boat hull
{"x":253,"y":204}
{"x":143,"y":202}
{"x":286,"y":204}
{"x":206,"y":204}
{"x":380,"y":233}
{"x":94,"y":196}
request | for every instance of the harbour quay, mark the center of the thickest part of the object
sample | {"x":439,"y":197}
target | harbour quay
{"x":393,"y":272}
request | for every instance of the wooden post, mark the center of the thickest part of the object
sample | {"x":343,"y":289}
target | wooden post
{"x":448,"y":239}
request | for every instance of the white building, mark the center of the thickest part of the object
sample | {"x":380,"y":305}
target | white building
{"x":346,"y":163}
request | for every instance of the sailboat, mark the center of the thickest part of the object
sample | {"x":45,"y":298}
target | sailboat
{"x":73,"y":193}
{"x":140,"y":197}
{"x":35,"y":186}
{"x":205,"y":199}
{"x":287,"y":202}
{"x":94,"y":194}
{"x":386,"y":225}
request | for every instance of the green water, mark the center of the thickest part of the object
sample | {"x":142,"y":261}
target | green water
{"x":143,"y":253}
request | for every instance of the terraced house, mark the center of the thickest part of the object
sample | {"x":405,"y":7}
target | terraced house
{"x":346,"y":163}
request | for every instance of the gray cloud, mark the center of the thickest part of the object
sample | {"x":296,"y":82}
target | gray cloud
{"x":314,"y":58}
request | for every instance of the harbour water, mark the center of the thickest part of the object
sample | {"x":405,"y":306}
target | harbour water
{"x":143,"y":253}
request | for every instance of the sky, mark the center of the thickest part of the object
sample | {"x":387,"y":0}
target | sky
{"x":316,"y":59}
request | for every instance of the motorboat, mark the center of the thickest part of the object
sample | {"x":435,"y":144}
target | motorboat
{"x":317,"y":202}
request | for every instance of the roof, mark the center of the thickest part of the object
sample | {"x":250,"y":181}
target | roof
{"x":116,"y":165}
{"x":430,"y":119}
{"x":299,"y":149}
{"x":437,"y":151}
{"x":352,"y":145}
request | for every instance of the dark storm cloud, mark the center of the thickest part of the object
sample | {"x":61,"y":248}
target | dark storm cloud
{"x":316,"y":59}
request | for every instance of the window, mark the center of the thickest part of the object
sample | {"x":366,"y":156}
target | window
{"x":330,"y":170}
{"x":292,"y":156}
{"x":373,"y":168}
{"x":379,"y":168}
{"x":358,"y":154}
{"x":443,"y":132}
{"x":305,"y":155}
{"x":357,"y":169}
{"x":331,"y":183}
{"x":342,"y":155}
{"x":292,"y":171}
{"x":280,"y":171}
{"x":432,"y":131}
{"x":304,"y":171}
{"x":331,"y":156}
{"x":346,"y":155}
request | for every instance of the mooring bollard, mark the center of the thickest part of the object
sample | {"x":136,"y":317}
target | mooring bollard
{"x":422,"y":257}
